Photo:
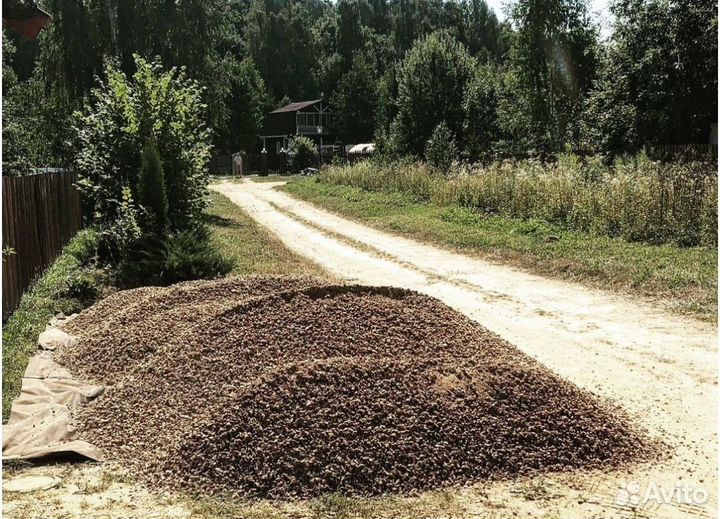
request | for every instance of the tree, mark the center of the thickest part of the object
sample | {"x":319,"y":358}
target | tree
{"x":330,"y":64}
{"x":482,"y":31}
{"x":404,"y":25}
{"x":351,"y":32}
{"x":550,"y":84}
{"x":15,"y":152}
{"x":646,"y":92}
{"x":380,"y":19}
{"x":191,"y":34}
{"x":280,"y":40}
{"x":30,"y":118}
{"x":515,"y":116}
{"x":695,"y":87}
{"x":555,"y":56}
{"x":386,"y":112}
{"x":609,"y":120}
{"x":248,"y":103}
{"x":151,"y":190}
{"x":440,"y":149}
{"x":351,"y":28}
{"x":431,"y":86}
{"x":480,"y":104}
{"x":356,"y":100}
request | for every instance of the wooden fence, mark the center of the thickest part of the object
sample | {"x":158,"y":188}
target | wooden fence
{"x":220,"y":165}
{"x":270,"y":163}
{"x":683,"y":151}
{"x":260,"y":163}
{"x":40,"y":213}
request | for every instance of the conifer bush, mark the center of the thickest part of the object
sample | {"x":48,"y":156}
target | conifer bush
{"x":440,"y":150}
{"x":151,"y":190}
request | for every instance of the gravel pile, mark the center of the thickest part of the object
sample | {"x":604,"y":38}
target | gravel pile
{"x":127,"y":327}
{"x":290,"y":388}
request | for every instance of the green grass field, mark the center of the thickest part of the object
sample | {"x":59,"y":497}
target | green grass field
{"x":683,"y":278}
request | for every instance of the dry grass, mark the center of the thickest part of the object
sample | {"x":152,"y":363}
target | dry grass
{"x":252,"y":247}
{"x":637,"y":199}
{"x":430,"y":505}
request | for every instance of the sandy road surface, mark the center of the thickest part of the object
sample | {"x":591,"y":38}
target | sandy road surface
{"x":659,"y":367}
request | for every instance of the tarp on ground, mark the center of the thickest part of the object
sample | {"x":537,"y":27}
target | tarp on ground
{"x":40,"y":424}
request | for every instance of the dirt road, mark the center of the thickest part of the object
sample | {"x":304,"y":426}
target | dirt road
{"x":660,"y":368}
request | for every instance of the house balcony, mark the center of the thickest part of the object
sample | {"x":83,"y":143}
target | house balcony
{"x":306,"y":129}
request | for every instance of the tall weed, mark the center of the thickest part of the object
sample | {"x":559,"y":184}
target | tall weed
{"x":637,"y":199}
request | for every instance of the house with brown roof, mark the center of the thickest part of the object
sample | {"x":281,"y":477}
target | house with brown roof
{"x":24,"y":17}
{"x":312,"y":119}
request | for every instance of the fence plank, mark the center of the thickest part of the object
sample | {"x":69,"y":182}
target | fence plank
{"x":40,"y":213}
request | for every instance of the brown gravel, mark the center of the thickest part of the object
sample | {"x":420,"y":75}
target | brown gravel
{"x":280,"y":387}
{"x":127,"y":327}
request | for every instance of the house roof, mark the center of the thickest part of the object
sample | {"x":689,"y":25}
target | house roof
{"x":25,"y":17}
{"x":294,"y":107}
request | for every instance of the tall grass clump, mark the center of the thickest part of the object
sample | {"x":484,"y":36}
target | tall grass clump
{"x":636,"y":198}
{"x":415,"y":179}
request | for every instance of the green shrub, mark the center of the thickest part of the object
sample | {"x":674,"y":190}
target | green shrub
{"x":84,"y":247}
{"x":144,"y":263}
{"x":83,"y":285}
{"x":85,"y":280}
{"x":440,"y":150}
{"x":183,"y":256}
{"x":142,"y":152}
{"x":156,"y":105}
{"x":117,"y":240}
{"x":190,"y":255}
{"x":304,"y":153}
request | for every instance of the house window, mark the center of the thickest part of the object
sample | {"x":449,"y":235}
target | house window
{"x":278,"y":147}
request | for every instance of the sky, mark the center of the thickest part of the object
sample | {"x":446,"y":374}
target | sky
{"x":601,"y":7}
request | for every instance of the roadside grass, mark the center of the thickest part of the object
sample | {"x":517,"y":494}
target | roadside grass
{"x":66,"y":286}
{"x":683,"y":278}
{"x":253,"y":249}
{"x":440,"y":503}
{"x":272,"y":178}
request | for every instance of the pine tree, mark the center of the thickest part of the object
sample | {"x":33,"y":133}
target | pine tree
{"x":151,"y":190}
{"x":440,"y":149}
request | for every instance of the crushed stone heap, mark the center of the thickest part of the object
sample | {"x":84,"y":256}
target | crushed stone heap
{"x":290,"y":387}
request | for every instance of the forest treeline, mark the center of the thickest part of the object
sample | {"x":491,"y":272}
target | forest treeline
{"x":395,"y":71}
